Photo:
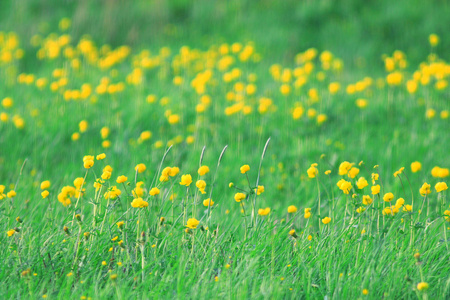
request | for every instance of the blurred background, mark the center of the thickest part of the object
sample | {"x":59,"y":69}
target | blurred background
{"x":357,"y":31}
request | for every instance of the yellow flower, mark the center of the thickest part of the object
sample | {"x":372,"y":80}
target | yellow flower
{"x":407,"y":208}
{"x":201,"y":185}
{"x":447,"y":215}
{"x":7,"y":102}
{"x":321,"y":118}
{"x":104,"y":132}
{"x":112,"y":193}
{"x":101,"y":156}
{"x":120,"y":224}
{"x":260,"y":190}
{"x":365,"y":292}
{"x":44,"y":194}
{"x":154,"y":191}
{"x":173,"y":119}
{"x":106,"y":175}
{"x":174,"y":171}
{"x":45,"y":185}
{"x":203,"y":170}
{"x":375,"y":177}
{"x":344,"y":186}
{"x":140,"y":168}
{"x":312,"y":172}
{"x":326,"y":220}
{"x":353,"y":172}
{"x":422,"y":286}
{"x":361,"y":103}
{"x":388,"y":197}
{"x":292,"y":209}
{"x":264,"y":211}
{"x":244,"y":169}
{"x":239,"y":197}
{"x":433,"y":39}
{"x":208,"y":202}
{"x":192,"y":223}
{"x":344,"y":167}
{"x":139,"y":203}
{"x":360,"y":210}
{"x":10,"y":232}
{"x":327,"y":172}
{"x":307,"y":213}
{"x":438,"y":172}
{"x":145,"y":135}
{"x":88,"y":163}
{"x":186,"y":180}
{"x":83,"y":126}
{"x":441,"y":186}
{"x":121,"y":179}
{"x":367,"y":200}
{"x":375,"y":189}
{"x":292,"y":233}
{"x":425,"y":189}
{"x":400,"y":202}
{"x":361,"y":183}
{"x":11,"y":194}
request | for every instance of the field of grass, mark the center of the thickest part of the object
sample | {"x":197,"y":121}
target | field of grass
{"x":229,"y":149}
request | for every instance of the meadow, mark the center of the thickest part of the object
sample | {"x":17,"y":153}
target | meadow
{"x":224,"y":150}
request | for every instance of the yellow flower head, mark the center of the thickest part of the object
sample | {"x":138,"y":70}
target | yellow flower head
{"x":45,"y":185}
{"x":239,"y":197}
{"x":192,"y":223}
{"x":139,"y":203}
{"x":353,"y":172}
{"x":388,"y":197}
{"x":400,"y":202}
{"x":422,"y":286}
{"x":120,"y":224}
{"x":264,"y":211}
{"x":101,"y":156}
{"x":344,"y":167}
{"x":244,"y":169}
{"x":361,"y":183}
{"x":416,"y":166}
{"x":203,"y":170}
{"x":312,"y":172}
{"x":375,"y":189}
{"x":154,"y":191}
{"x":425,"y":189}
{"x":260,"y":190}
{"x":441,"y":186}
{"x":307,"y":213}
{"x":292,"y":209}
{"x":186,"y":180}
{"x":44,"y":194}
{"x":121,"y":179}
{"x":208,"y":202}
{"x":326,"y":220}
{"x":140,"y":168}
{"x":438,"y":172}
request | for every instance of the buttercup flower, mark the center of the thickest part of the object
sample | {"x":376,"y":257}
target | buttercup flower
{"x":192,"y":223}
{"x":441,"y":186}
{"x":245,"y":168}
{"x":203,"y":170}
{"x":186,"y":180}
{"x":292,"y":209}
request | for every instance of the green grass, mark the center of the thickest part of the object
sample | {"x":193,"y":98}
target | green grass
{"x":232,"y":254}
